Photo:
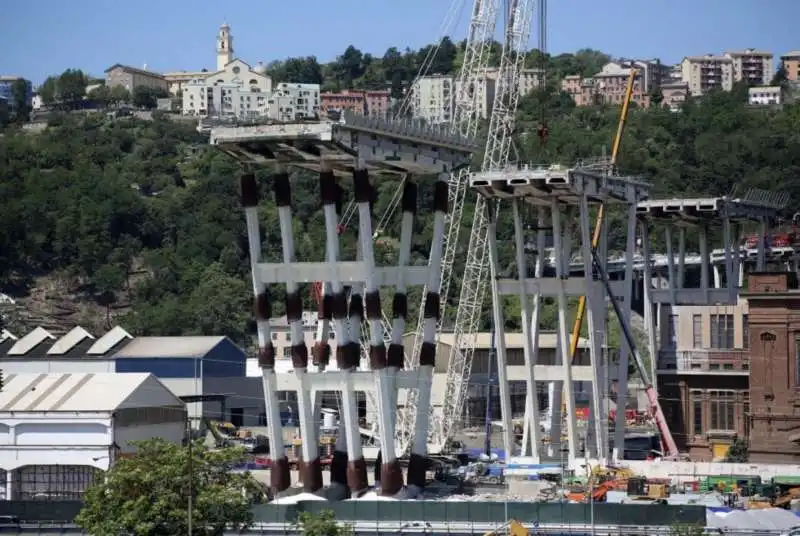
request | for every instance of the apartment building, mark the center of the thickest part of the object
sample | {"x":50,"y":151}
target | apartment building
{"x":764,"y":95}
{"x":373,"y":103}
{"x":433,"y":98}
{"x":755,"y":67}
{"x":703,"y":367}
{"x":290,"y":101}
{"x":791,"y":64}
{"x":704,"y":73}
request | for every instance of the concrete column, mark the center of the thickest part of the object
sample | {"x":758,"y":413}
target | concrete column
{"x":280,"y":477}
{"x":595,"y":336}
{"x":561,"y":253}
{"x":498,"y":321}
{"x":531,"y":401}
{"x":622,"y":368}
{"x":338,"y":307}
{"x":417,"y":464}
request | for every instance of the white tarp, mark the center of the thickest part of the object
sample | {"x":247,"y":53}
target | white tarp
{"x":761,"y":519}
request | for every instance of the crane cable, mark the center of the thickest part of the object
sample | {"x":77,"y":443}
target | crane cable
{"x":543,"y":130}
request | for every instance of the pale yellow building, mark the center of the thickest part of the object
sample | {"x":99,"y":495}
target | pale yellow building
{"x":704,"y":73}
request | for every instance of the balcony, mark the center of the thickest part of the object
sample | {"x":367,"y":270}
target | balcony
{"x":735,"y":361}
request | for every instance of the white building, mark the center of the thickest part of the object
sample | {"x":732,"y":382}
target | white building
{"x":294,"y":101}
{"x":234,"y":89}
{"x":59,"y":430}
{"x":764,"y":95}
{"x":433,"y":98}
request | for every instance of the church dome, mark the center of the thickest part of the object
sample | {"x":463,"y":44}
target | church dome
{"x":260,"y":68}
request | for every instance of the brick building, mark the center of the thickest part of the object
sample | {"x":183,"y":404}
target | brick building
{"x":773,"y":419}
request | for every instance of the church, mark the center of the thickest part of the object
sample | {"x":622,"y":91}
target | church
{"x":233,"y":89}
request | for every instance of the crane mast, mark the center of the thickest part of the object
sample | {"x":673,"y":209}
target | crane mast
{"x":466,"y":118}
{"x":498,"y":146}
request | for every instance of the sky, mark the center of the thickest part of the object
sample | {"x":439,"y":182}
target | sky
{"x":49,"y":36}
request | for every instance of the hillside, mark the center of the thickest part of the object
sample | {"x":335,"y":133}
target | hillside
{"x":139,"y":222}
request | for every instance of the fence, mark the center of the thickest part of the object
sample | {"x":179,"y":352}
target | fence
{"x":488,"y":512}
{"x":40,"y":511}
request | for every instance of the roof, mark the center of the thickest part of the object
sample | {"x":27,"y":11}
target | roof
{"x":149,"y":347}
{"x":134,"y":70}
{"x":749,"y":52}
{"x":30,"y":341}
{"x":794,"y":54}
{"x":77,"y":343}
{"x":98,"y":392}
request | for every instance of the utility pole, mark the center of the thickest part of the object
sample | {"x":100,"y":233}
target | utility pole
{"x":190,"y":470}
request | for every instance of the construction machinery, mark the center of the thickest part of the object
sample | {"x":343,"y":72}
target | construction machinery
{"x":466,"y":119}
{"x":519,"y":16}
{"x":598,"y":227}
{"x":670,"y":447}
{"x":510,"y":528}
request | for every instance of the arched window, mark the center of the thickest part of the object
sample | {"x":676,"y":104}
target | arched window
{"x":768,"y":337}
{"x":253,"y":82}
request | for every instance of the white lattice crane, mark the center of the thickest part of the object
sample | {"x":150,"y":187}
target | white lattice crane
{"x":470,"y":87}
{"x":519,"y":18}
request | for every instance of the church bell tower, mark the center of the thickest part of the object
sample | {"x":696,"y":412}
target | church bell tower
{"x":224,"y":47}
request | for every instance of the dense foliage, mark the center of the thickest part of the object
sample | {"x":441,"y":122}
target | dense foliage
{"x":143,"y":213}
{"x":148,"y":494}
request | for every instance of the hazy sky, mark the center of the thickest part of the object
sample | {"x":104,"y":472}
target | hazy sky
{"x":48,"y":36}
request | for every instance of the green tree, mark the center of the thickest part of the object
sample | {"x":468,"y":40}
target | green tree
{"x":100,"y":95}
{"x":71,"y":87}
{"x":119,"y":95}
{"x":148,"y":494}
{"x":147,"y":97}
{"x":20,"y":100}
{"x":780,"y":78}
{"x":738,"y":452}
{"x":322,"y":524}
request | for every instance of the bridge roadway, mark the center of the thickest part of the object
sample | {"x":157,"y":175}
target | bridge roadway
{"x":617,"y":264}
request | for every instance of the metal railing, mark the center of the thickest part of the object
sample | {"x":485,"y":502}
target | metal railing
{"x":714,"y":360}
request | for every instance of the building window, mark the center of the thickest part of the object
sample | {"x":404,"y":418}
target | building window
{"x":722,"y":410}
{"x":722,"y":331}
{"x":797,"y":360}
{"x":672,"y":328}
{"x":745,"y":331}
{"x":697,"y":412}
{"x":697,"y":331}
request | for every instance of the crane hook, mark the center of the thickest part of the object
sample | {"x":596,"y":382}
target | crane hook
{"x":543,"y":132}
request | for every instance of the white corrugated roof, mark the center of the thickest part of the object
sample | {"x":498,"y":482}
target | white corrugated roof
{"x":108,"y":341}
{"x":81,"y":392}
{"x":68,"y":341}
{"x":169,"y":346}
{"x":29,"y":341}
